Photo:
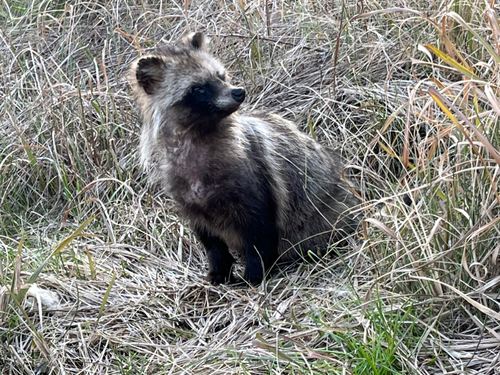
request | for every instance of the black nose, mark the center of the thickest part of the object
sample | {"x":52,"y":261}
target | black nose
{"x":238,"y":94}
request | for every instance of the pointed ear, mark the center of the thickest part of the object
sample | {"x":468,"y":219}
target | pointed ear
{"x":149,"y":72}
{"x":196,"y":41}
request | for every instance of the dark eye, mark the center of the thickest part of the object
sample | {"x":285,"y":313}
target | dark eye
{"x":198,"y":89}
{"x":222,"y":76}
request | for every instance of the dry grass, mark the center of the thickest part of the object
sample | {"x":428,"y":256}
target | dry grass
{"x":407,"y":90}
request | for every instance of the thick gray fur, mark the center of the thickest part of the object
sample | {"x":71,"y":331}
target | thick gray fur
{"x":241,"y":181}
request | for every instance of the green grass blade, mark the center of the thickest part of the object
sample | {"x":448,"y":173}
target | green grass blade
{"x":106,"y":295}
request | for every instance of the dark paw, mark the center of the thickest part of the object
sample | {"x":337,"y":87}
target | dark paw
{"x":218,"y":278}
{"x":253,"y":277}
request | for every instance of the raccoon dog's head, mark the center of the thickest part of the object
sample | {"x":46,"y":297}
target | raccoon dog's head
{"x":186,"y":82}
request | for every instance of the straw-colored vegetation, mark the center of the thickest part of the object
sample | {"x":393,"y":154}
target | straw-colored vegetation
{"x":99,"y":276}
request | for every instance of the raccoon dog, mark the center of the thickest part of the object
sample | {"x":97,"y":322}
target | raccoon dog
{"x":254,"y":184}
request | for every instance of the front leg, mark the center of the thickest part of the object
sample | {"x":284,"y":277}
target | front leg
{"x":260,"y":240}
{"x":220,"y":261}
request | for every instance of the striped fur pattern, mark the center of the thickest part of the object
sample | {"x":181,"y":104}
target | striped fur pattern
{"x":254,"y":184}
